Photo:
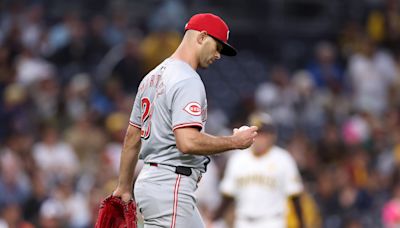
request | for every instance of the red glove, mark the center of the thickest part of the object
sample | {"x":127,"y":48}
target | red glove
{"x":115,"y":213}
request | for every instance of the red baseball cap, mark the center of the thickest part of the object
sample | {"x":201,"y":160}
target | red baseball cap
{"x":215,"y":27}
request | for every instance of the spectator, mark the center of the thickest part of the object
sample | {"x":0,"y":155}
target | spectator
{"x":116,"y":31}
{"x":277,"y":99}
{"x":308,"y":104}
{"x":325,"y":71}
{"x":54,"y":157}
{"x":12,"y":217}
{"x":39,"y":193}
{"x":86,"y":148}
{"x":30,"y":68}
{"x":129,"y":69}
{"x":14,"y":182}
{"x":32,"y":27}
{"x":46,"y":98}
{"x":15,"y":111}
{"x":60,"y":34}
{"x":77,"y":96}
{"x":330,"y":148}
{"x":372,"y":71}
{"x":158,"y":45}
{"x":391,"y":210}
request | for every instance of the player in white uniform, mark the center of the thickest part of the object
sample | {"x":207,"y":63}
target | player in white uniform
{"x":166,"y":126}
{"x":260,"y":180}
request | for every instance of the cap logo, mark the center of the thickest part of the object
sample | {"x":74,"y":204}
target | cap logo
{"x":227,"y":35}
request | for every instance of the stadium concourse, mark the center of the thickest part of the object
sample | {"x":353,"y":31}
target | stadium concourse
{"x":328,"y":73}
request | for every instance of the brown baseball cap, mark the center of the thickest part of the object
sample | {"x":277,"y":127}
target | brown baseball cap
{"x":263,"y":121}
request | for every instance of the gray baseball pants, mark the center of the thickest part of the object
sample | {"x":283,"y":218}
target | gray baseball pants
{"x":167,"y":199}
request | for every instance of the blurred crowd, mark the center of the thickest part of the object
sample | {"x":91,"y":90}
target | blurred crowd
{"x":67,"y":85}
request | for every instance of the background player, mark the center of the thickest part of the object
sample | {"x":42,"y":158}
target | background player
{"x":260,"y":180}
{"x":166,"y":126}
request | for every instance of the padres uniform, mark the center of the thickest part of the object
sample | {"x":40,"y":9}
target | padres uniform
{"x":261,"y":187}
{"x":169,"y":97}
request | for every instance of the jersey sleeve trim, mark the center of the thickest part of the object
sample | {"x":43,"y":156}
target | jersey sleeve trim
{"x":135,"y":125}
{"x":193,"y":124}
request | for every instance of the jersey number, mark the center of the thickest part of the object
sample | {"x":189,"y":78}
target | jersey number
{"x":146,"y":122}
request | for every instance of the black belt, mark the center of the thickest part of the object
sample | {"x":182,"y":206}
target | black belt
{"x":183,"y":170}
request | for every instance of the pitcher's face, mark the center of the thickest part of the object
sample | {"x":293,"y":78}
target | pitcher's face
{"x":210,"y":52}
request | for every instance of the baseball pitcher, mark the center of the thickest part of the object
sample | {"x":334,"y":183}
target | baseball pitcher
{"x":166,"y":130}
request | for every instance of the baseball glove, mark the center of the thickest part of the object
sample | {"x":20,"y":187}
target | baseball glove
{"x":115,"y":213}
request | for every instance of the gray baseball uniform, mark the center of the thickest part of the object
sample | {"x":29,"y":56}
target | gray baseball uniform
{"x":171,"y":96}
